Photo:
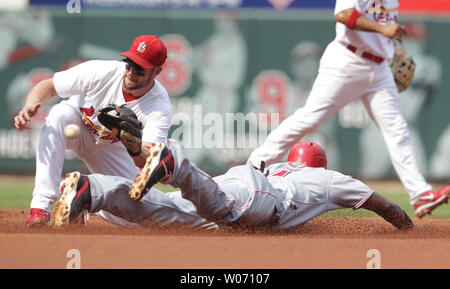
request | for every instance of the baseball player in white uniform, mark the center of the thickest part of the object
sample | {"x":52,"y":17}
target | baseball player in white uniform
{"x":89,"y":87}
{"x":285,"y":195}
{"x":355,"y":65}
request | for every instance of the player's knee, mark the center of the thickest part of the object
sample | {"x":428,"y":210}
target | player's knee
{"x":62,"y":113}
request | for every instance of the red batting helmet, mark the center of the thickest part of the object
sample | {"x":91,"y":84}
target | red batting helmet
{"x":308,"y":153}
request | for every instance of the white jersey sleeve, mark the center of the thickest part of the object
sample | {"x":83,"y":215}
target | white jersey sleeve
{"x":83,"y":77}
{"x":157,"y":127}
{"x":342,"y":5}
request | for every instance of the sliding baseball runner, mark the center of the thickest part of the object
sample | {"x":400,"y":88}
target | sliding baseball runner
{"x":283,"y":196}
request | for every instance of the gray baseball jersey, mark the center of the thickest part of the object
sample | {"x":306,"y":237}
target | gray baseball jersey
{"x":289,"y":195}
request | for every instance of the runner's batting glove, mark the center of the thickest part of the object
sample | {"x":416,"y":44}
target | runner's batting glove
{"x":124,"y":125}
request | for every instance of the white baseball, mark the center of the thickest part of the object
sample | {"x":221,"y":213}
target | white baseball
{"x":72,"y":131}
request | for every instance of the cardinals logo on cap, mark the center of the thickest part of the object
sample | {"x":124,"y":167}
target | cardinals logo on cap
{"x":141,"y":47}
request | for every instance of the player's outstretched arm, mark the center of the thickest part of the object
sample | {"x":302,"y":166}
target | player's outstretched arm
{"x":389,"y":211}
{"x":39,"y":95}
{"x":354,"y":20}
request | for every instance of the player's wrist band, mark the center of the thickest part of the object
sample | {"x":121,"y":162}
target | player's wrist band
{"x":352,"y":19}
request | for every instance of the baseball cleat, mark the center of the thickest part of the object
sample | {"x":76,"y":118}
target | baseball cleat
{"x":37,"y":217}
{"x":158,"y":167}
{"x":75,"y":200}
{"x":430,"y":200}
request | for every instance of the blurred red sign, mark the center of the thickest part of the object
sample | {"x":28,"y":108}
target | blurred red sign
{"x":429,"y":7}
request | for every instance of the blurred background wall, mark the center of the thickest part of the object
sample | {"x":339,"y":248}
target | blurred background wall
{"x":255,"y":60}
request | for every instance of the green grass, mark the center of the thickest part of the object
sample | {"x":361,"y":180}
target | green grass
{"x":16,"y":192}
{"x":443,"y":212}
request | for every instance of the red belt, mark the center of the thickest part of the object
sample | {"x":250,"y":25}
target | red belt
{"x":366,"y":55}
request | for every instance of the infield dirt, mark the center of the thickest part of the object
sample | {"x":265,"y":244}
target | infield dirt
{"x":323,"y":242}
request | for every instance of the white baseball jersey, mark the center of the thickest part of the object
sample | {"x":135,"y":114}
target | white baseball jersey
{"x":98,"y":83}
{"x":91,"y":86}
{"x":381,"y":11}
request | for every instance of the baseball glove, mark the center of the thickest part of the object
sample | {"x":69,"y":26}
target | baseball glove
{"x":402,"y":67}
{"x":124,"y":124}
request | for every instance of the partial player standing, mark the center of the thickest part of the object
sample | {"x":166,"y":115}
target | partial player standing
{"x":355,"y":65}
{"x":285,"y":195}
{"x":93,"y":86}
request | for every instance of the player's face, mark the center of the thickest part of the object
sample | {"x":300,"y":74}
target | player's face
{"x":136,"y":77}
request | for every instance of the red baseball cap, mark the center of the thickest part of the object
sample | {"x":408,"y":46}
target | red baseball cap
{"x":147,"y":51}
